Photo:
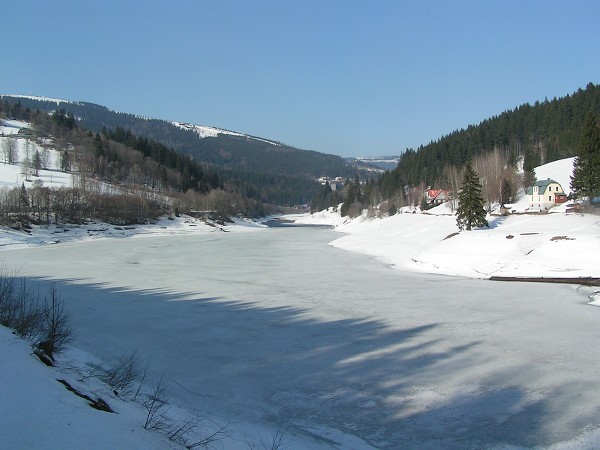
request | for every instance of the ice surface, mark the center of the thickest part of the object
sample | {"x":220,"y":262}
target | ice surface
{"x":275,"y":326}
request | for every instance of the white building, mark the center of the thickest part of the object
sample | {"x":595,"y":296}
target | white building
{"x":545,"y":194}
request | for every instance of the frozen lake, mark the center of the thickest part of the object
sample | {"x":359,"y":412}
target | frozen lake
{"x":273,"y":326}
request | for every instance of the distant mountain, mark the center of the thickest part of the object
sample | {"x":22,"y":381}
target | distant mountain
{"x":372,"y":163}
{"x":221,"y":148}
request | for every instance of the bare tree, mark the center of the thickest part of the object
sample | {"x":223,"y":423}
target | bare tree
{"x":453,"y":176}
{"x":57,"y":331}
{"x":45,"y":155}
{"x":275,"y":442}
{"x":9,"y":150}
{"x":490,"y":167}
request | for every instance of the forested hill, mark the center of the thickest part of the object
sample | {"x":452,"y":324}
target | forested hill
{"x":543,"y":132}
{"x":229,"y":151}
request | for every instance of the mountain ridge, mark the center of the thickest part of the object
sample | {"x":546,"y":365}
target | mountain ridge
{"x":220,"y":147}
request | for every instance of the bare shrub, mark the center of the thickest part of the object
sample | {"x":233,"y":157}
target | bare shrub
{"x":56,"y":331}
{"x":186,"y":432}
{"x":44,"y":322}
{"x":20,"y":308}
{"x":156,"y":405}
{"x":193,"y":438}
{"x":24,"y":314}
{"x":275,"y":442}
{"x":122,"y":376}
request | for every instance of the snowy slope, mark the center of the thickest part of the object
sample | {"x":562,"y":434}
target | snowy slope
{"x":557,"y":244}
{"x":203,"y":132}
{"x":39,"y":412}
{"x":560,"y":171}
{"x":11,"y":175}
{"x":58,"y":101}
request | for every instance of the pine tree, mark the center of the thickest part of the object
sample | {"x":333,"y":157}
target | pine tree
{"x":470,"y":212}
{"x":23,"y":196}
{"x":65,"y":162}
{"x":585,"y":181}
{"x":37,"y":163}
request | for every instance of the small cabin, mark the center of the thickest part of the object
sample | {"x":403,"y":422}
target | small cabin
{"x":545,"y":194}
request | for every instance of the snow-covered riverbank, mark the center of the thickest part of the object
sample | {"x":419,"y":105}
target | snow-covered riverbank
{"x":524,"y":244}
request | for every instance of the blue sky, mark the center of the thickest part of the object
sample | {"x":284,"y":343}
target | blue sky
{"x":344,"y":77}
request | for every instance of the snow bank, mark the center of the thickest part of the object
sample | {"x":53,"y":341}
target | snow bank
{"x":545,"y":245}
{"x":63,"y":233}
{"x":30,"y":394}
{"x":558,"y":244}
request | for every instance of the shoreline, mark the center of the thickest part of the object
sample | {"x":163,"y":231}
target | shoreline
{"x":585,"y":281}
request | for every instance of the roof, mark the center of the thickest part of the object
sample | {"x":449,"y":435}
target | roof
{"x":542,"y":186}
{"x":434,"y":193}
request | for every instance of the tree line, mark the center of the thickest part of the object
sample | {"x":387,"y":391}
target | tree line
{"x":228,"y":152}
{"x":146,"y":178}
{"x":533,"y":134}
{"x":162,"y":165}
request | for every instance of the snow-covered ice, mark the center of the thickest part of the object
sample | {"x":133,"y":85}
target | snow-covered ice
{"x":275,"y":326}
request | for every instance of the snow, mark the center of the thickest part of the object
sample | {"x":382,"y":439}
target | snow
{"x":274,"y":326}
{"x":558,"y":244}
{"x":559,"y":171}
{"x":42,"y":99}
{"x":11,"y":175}
{"x":38,"y":412}
{"x":9,"y":127}
{"x":204,"y":132}
{"x":394,"y":343}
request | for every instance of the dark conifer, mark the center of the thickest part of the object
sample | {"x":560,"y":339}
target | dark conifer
{"x":470,"y":212}
{"x":585,"y":181}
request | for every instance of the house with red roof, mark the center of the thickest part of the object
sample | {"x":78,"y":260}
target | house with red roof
{"x":436,"y":196}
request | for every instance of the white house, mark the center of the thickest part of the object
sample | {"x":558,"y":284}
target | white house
{"x":545,"y":194}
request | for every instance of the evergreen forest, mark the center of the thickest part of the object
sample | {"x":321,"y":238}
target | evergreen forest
{"x":530,"y":135}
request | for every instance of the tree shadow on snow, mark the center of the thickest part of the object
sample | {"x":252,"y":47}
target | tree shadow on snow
{"x":393,"y":388}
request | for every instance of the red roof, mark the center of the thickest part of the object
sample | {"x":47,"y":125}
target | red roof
{"x":433,"y":193}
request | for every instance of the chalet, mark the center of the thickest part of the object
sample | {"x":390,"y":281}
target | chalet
{"x":545,"y":194}
{"x":436,"y":196}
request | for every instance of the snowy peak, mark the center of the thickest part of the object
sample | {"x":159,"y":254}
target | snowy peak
{"x":204,"y":132}
{"x":58,"y":101}
{"x":382,"y":163}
